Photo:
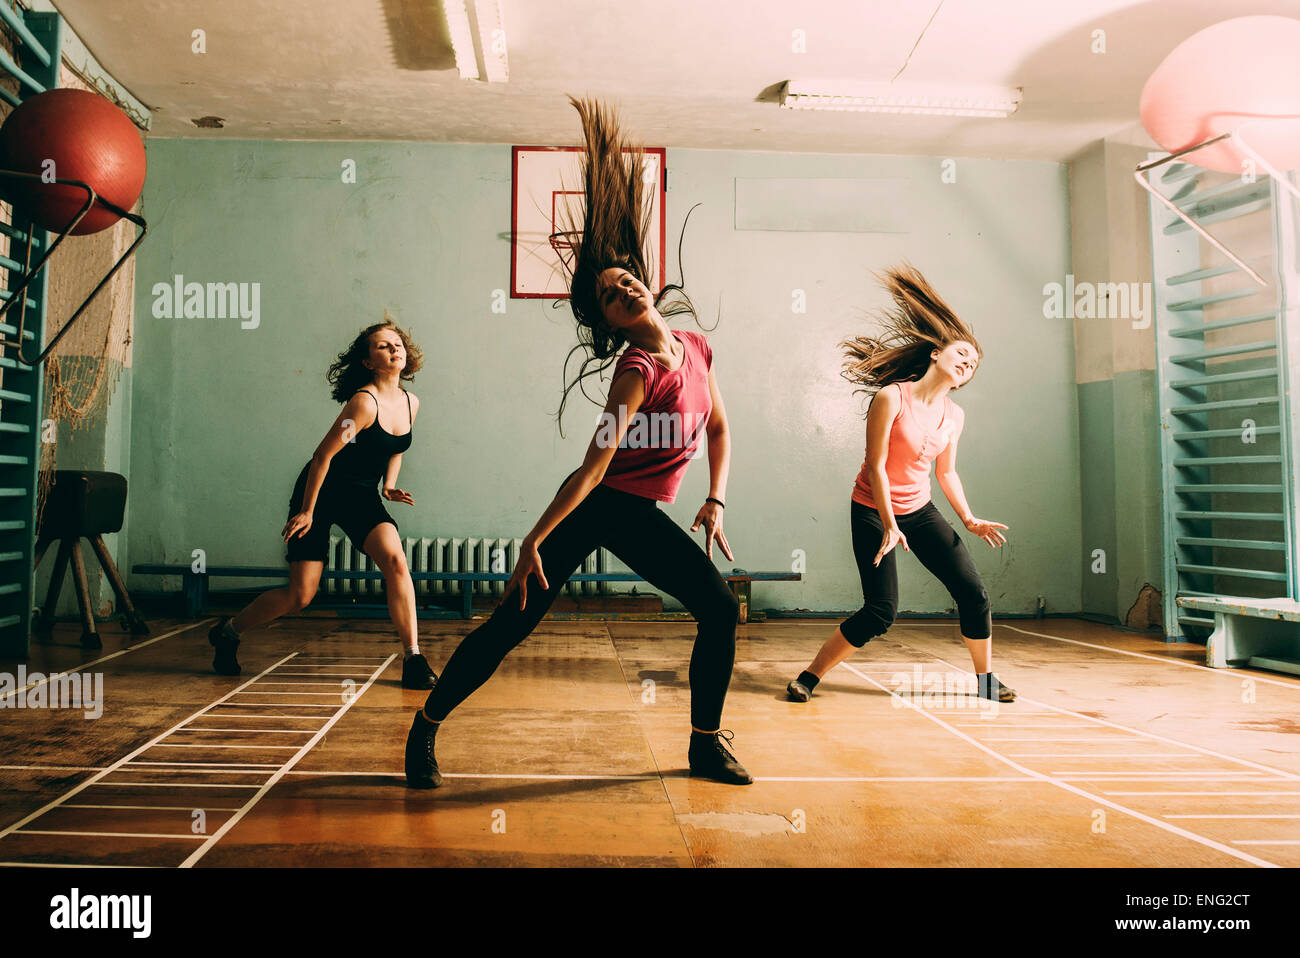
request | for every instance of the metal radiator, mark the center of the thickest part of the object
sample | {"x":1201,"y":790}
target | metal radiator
{"x":470,"y":554}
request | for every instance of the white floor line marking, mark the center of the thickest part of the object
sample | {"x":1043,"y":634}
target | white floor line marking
{"x":1161,"y":738}
{"x":244,"y":715}
{"x":272,"y":731}
{"x":206,"y":764}
{"x":1235,"y":674}
{"x":189,"y":745}
{"x":1232,"y":816}
{"x":1121,"y":773}
{"x":50,"y":768}
{"x":234,"y":819}
{"x":264,"y":683}
{"x":63,"y":865}
{"x":161,"y":808}
{"x":81,"y":667}
{"x":50,"y":831}
{"x":1016,"y":724}
{"x":1200,"y":839}
{"x":1265,"y":841}
{"x":652,"y":776}
{"x":170,"y":785}
{"x":274,"y":705}
{"x":1092,"y":755}
{"x":1203,"y":794}
{"x":199,"y":770}
{"x":95,"y":779}
{"x":262,"y":691}
{"x":1048,"y":738}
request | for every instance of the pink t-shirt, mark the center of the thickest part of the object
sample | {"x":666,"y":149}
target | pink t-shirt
{"x":911,"y":450}
{"x":668,"y":430}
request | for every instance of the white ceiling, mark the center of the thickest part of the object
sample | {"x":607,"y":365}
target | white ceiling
{"x":685,"y":73}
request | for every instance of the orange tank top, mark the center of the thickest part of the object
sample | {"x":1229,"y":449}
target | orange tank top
{"x":911,"y":451}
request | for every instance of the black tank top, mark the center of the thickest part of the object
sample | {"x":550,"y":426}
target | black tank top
{"x":365,"y":458}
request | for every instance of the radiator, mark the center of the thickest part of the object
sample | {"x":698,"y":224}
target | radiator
{"x":470,"y":554}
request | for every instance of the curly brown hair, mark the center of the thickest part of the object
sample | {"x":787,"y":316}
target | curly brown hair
{"x":918,"y":322}
{"x":348,"y":373}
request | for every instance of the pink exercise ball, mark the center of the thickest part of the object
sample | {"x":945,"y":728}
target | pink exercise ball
{"x":1218,"y":79}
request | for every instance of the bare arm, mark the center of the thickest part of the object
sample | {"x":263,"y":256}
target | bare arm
{"x":625,"y":397}
{"x":719,"y":437}
{"x":358,"y":413}
{"x":945,"y":470}
{"x":880,"y":423}
{"x":391,"y":492}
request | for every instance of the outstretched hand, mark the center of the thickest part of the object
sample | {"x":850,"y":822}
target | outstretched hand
{"x":988,"y":531}
{"x":530,"y":563}
{"x":710,"y":515}
{"x":393,"y":494}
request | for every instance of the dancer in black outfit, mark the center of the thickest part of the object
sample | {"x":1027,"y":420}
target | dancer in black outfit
{"x":925,"y":352}
{"x":339,"y":487}
{"x":611,"y":501}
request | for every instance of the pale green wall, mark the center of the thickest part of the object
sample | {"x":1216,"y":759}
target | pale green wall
{"x":223,"y":418}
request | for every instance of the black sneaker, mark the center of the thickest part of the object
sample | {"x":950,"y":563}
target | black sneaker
{"x":224,"y":662}
{"x":709,"y":758}
{"x":796,"y":691}
{"x":991,"y":688}
{"x":416,"y":673}
{"x":421,"y":766}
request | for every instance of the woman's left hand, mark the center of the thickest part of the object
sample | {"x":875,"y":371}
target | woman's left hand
{"x":988,"y":531}
{"x":711,"y":515}
{"x":398,"y":495}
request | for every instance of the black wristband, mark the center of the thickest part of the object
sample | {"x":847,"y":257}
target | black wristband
{"x":718,"y":501}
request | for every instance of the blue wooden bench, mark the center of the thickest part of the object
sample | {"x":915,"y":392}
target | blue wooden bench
{"x":194,"y":585}
{"x":1253,"y":633}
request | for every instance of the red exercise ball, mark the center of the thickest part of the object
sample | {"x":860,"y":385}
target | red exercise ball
{"x":89,"y":139}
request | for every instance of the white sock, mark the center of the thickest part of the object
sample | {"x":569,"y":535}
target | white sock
{"x":413,"y":650}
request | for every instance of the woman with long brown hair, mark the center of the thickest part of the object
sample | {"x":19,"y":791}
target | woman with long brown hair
{"x":924,"y":352}
{"x":340,"y":486}
{"x":663,"y":377}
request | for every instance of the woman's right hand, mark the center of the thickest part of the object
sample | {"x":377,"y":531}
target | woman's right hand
{"x":297,"y":525}
{"x":893,"y":536}
{"x":530,"y":563}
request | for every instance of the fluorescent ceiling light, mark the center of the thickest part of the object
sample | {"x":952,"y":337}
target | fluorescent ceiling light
{"x":462,"y":38}
{"x":492,"y":39}
{"x":928,"y":99}
{"x":476,"y":40}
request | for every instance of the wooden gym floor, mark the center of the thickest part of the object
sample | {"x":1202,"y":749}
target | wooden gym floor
{"x":1122,"y":751}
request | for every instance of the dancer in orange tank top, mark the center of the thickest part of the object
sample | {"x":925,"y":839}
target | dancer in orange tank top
{"x":925,"y":352}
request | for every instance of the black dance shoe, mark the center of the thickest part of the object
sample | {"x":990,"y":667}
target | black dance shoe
{"x":796,"y":691}
{"x":709,"y":758}
{"x":421,"y":766}
{"x":991,"y":688}
{"x":416,"y":673}
{"x":224,"y":662}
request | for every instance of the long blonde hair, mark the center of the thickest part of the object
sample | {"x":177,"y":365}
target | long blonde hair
{"x":917,"y":322}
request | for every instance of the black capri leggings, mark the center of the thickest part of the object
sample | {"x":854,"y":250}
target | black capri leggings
{"x":655,"y":548}
{"x":937,"y":545}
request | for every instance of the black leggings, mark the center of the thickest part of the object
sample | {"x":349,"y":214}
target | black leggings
{"x":655,"y":548}
{"x":933,"y":541}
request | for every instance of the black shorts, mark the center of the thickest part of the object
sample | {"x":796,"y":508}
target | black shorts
{"x":355,"y":507}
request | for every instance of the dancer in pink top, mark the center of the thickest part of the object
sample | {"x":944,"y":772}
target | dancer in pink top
{"x":663,"y":410}
{"x":925,"y":352}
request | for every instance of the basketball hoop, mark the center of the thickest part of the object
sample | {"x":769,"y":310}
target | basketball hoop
{"x":564,"y":243}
